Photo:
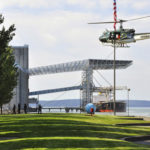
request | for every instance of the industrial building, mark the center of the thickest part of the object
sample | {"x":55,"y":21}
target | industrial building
{"x":21,"y":91}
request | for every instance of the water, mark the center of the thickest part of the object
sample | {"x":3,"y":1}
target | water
{"x":133,"y":111}
{"x":139,"y":111}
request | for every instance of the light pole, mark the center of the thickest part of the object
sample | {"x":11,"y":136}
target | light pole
{"x":114,"y":65}
{"x":115,"y":21}
{"x":128,"y":100}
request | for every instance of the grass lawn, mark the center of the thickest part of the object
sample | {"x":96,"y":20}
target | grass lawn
{"x":68,"y":131}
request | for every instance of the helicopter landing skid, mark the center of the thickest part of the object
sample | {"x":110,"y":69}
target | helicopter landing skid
{"x":118,"y":45}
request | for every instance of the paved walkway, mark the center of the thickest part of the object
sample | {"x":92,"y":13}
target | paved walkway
{"x":146,"y":142}
{"x":146,"y":118}
{"x":140,"y":139}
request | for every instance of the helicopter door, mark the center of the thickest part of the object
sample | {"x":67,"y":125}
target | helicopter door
{"x":115,"y":36}
{"x":112,"y":36}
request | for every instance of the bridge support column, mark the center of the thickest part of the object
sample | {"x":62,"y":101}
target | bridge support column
{"x":87,"y":84}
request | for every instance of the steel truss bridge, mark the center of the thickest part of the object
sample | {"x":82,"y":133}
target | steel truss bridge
{"x":87,"y":66}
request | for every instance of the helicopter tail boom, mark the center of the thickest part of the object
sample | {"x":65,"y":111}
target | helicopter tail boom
{"x":141,"y":36}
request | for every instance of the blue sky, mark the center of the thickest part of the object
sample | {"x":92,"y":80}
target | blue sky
{"x":57,"y":32}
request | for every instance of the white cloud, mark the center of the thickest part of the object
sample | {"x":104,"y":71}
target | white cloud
{"x":106,"y":3}
{"x":87,"y":4}
{"x":58,"y":32}
{"x":82,"y":3}
{"x":134,"y":4}
{"x":29,"y":3}
{"x":142,"y":5}
{"x":63,"y":35}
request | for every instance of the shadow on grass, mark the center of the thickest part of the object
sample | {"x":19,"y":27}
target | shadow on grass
{"x":130,"y":118}
{"x":66,"y":143}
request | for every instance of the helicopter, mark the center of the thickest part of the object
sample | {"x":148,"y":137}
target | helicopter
{"x":122,"y":37}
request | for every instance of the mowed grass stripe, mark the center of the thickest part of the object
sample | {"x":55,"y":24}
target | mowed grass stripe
{"x":68,"y":131}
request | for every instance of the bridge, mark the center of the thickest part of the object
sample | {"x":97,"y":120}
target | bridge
{"x":55,"y":90}
{"x":95,"y":89}
{"x":87,"y":66}
{"x":82,"y":65}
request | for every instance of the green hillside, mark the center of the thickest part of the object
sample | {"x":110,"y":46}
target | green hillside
{"x":67,"y":131}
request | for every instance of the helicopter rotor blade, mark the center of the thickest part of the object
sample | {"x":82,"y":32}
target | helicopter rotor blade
{"x":100,"y":22}
{"x":138,"y":18}
{"x":103,"y":22}
{"x":119,"y":21}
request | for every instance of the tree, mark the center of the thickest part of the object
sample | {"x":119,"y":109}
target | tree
{"x":8,"y":69}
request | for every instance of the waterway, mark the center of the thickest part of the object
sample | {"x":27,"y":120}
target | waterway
{"x":133,"y":111}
